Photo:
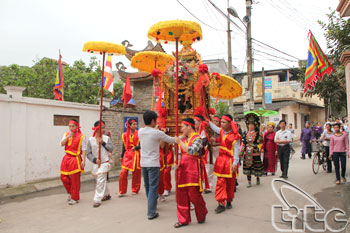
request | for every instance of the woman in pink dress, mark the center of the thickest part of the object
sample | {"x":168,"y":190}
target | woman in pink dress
{"x":269,"y":148}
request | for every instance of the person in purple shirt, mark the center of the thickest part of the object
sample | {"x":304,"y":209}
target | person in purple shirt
{"x":306,"y":139}
{"x":318,"y":130}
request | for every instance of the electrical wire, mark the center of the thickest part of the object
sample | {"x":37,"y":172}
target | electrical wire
{"x":198,"y":18}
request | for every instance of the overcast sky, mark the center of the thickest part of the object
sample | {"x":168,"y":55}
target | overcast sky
{"x":32,"y":29}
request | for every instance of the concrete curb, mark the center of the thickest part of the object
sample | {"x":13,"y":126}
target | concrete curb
{"x":11,"y":192}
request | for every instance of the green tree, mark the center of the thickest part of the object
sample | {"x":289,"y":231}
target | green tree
{"x":81,"y":81}
{"x":337,"y":34}
{"x":221,"y":108}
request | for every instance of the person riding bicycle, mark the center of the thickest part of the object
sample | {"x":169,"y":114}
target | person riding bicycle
{"x":326,"y":138}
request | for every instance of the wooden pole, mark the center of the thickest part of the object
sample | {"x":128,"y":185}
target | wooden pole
{"x":177,"y":97}
{"x":341,"y":83}
{"x":101,"y":102}
{"x":263,"y":88}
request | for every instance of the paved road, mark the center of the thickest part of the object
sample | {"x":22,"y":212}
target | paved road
{"x":251,"y":208}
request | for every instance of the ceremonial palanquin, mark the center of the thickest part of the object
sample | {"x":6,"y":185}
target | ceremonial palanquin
{"x":193,"y":94}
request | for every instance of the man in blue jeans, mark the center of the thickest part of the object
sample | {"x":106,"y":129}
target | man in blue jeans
{"x":149,"y":142}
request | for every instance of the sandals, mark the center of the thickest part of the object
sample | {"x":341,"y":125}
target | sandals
{"x":178,"y":225}
{"x":96,"y":205}
{"x":106,"y":198}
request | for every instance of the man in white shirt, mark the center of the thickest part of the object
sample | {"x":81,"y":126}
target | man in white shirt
{"x":149,"y":142}
{"x":283,"y":138}
{"x":100,"y":166}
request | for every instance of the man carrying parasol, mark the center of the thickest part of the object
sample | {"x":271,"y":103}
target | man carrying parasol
{"x":100,"y":166}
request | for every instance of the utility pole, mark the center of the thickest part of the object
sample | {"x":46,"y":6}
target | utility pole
{"x":229,"y":52}
{"x":249,"y":50}
{"x":263,"y":88}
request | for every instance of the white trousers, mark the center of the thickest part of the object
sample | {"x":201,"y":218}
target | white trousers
{"x":102,"y":189}
{"x":210,"y":169}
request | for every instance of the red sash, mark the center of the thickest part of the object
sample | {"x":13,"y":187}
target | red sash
{"x":162,"y":159}
{"x":170,"y":157}
{"x":131,"y":159}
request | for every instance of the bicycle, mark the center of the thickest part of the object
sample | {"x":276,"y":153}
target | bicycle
{"x":319,"y":156}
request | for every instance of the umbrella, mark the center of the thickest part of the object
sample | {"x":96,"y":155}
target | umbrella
{"x":103,"y":48}
{"x":226,"y":88}
{"x":262,"y":112}
{"x":176,"y":31}
{"x":147,"y":61}
{"x":152,"y":62}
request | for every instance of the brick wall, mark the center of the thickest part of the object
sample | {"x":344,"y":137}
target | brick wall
{"x":143,"y":94}
{"x":114,"y":119}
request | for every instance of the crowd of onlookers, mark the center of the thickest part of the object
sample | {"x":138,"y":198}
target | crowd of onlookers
{"x":333,"y":135}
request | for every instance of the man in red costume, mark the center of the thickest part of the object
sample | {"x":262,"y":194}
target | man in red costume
{"x":167,"y":171}
{"x":199,"y":125}
{"x":130,"y":159}
{"x":162,"y":167}
{"x":189,"y":175}
{"x":226,"y":163}
{"x":75,"y":145}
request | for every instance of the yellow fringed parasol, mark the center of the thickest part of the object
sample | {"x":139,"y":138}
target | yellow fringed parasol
{"x":100,"y":47}
{"x":152,"y":62}
{"x":103,"y":48}
{"x":147,"y":61}
{"x":227,"y":88}
{"x":176,"y":31}
{"x":173,"y":30}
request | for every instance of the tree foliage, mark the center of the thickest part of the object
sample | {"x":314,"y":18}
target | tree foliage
{"x":222,"y":108}
{"x":81,"y":81}
{"x":337,"y":34}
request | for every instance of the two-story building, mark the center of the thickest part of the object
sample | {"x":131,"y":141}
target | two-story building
{"x":286,"y":95}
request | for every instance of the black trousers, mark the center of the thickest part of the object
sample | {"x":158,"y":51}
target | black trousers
{"x":283,"y":155}
{"x":329,"y":162}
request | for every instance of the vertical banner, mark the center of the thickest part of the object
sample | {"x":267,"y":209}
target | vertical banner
{"x":268,"y":83}
{"x":268,"y":98}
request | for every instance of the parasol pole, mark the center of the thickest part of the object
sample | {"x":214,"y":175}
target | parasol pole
{"x":177,"y":115}
{"x":177,"y":96}
{"x":153,"y":89}
{"x":101,"y":102}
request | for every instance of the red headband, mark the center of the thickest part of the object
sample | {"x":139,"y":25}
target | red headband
{"x":132,"y":121}
{"x":77,"y":124}
{"x":217,"y":118}
{"x":197,"y":118}
{"x":226,"y":118}
{"x":187,"y":123}
{"x":232,"y":123}
{"x":97,"y":128}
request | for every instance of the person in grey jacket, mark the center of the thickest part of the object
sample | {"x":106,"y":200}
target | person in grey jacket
{"x":100,"y":165}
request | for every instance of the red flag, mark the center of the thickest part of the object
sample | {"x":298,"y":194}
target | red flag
{"x":126,"y":92}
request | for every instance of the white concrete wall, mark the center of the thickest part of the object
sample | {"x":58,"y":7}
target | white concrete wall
{"x":29,"y":141}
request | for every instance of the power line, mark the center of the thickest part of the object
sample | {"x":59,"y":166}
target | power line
{"x":269,"y":46}
{"x":272,"y":55}
{"x":302,"y":17}
{"x":222,"y":41}
{"x":221,"y":12}
{"x":198,"y":18}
